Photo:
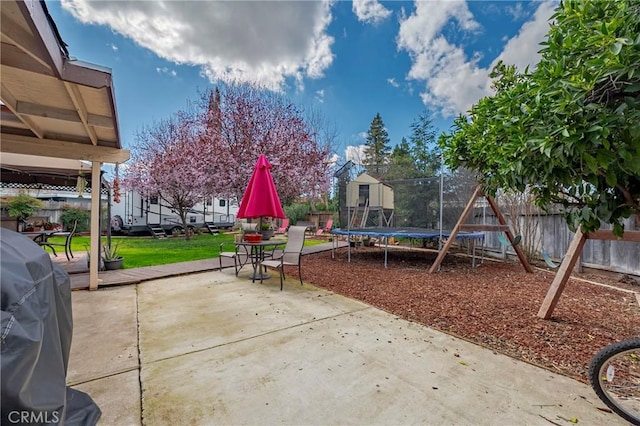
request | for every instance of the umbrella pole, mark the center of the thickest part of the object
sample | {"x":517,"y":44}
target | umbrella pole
{"x":260,"y":232}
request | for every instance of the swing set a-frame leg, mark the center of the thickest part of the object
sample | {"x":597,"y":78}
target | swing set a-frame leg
{"x":465,"y":213}
{"x":562,"y":276}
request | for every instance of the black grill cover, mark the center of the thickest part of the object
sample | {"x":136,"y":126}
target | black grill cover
{"x":36,"y":332}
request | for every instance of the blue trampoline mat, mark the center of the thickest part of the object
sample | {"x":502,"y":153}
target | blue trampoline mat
{"x":405,"y":232}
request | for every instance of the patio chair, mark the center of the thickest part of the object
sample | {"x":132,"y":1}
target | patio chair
{"x":291,"y":254}
{"x":285,"y":225}
{"x":327,"y":228}
{"x":66,"y":244}
{"x":235,"y":255}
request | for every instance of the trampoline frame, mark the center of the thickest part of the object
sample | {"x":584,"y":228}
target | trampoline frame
{"x":386,"y":232}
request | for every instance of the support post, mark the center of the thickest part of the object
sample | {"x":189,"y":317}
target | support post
{"x":562,"y":276}
{"x":574,"y":253}
{"x":94,"y":265}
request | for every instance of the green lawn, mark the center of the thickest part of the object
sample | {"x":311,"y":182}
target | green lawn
{"x":148,"y":251}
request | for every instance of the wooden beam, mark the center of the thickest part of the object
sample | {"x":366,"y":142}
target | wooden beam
{"x":19,"y":144}
{"x":24,"y":40}
{"x":100,"y":121}
{"x":39,"y":23}
{"x":605,"y":234}
{"x":481,"y":227}
{"x":11,"y":103}
{"x":465,"y":213}
{"x":562,"y":276}
{"x":516,"y":247}
{"x":27,"y":108}
{"x":81,"y":108}
{"x":14,"y":57}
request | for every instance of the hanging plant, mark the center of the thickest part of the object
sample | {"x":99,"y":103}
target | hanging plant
{"x":116,"y":187}
{"x":81,"y":184}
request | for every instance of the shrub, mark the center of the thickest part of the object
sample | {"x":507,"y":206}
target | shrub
{"x":71,"y":214}
{"x":297,"y":212}
{"x":22,"y":206}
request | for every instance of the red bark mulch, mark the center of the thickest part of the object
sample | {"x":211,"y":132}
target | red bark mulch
{"x":495,"y":305}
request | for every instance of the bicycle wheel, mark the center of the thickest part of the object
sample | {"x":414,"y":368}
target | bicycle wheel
{"x":614,"y":373}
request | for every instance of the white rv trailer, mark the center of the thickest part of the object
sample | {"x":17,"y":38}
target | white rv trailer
{"x":136,"y":214}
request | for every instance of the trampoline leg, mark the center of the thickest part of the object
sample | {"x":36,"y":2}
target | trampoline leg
{"x":473,"y":256}
{"x":386,"y":245}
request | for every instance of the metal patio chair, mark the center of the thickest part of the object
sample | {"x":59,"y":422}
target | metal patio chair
{"x":291,"y":254}
{"x":235,"y":255}
{"x":66,"y":244}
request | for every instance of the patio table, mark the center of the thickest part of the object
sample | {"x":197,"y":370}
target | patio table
{"x":41,"y":237}
{"x":256,"y":251}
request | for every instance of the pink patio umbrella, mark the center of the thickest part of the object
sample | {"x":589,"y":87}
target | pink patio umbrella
{"x":261,"y":199}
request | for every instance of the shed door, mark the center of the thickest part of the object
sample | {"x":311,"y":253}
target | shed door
{"x":363,"y":195}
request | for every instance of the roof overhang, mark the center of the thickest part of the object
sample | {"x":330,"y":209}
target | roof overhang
{"x":52,"y":105}
{"x":36,"y":172}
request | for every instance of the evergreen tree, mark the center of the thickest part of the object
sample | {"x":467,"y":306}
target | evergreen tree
{"x":377,"y":150}
{"x":424,"y":147}
{"x":401,"y":166}
{"x":416,"y":199}
{"x":401,"y":162}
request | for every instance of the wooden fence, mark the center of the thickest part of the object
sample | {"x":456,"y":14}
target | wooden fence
{"x":553,"y":235}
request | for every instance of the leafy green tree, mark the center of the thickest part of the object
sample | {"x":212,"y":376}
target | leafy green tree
{"x":570,"y":129}
{"x":377,"y":150}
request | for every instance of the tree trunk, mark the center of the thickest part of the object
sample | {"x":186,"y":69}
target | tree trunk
{"x":187,"y":233}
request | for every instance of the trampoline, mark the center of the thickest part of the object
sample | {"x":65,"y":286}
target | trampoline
{"x":386,"y":232}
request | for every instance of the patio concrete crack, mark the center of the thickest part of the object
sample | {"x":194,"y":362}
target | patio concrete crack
{"x":104,"y":376}
{"x":255,"y":336}
{"x":139,"y":355}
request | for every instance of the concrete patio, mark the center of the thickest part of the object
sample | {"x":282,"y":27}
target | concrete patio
{"x":210,"y":348}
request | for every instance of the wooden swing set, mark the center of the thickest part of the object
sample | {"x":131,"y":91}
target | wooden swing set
{"x":568,"y":262}
{"x":461,"y":226}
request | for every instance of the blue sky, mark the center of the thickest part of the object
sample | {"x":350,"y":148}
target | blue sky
{"x":350,"y":60}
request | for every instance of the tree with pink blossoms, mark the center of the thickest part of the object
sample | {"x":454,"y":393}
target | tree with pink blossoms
{"x":240,"y":122}
{"x":167,"y":162}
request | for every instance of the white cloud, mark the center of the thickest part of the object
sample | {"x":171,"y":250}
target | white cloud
{"x":355,"y":154}
{"x":258,"y":42}
{"x":113,"y":47}
{"x":320,"y":96}
{"x":522,"y":50}
{"x":453,"y":81}
{"x":517,"y":11}
{"x":392,"y":81}
{"x":333,"y":161}
{"x":165,"y":70}
{"x":370,"y":11}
